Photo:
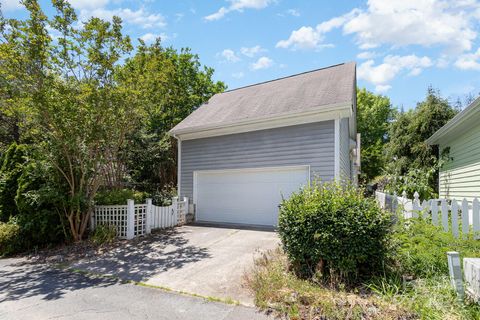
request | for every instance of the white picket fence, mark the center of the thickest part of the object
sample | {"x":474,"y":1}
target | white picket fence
{"x":134,"y":220}
{"x":458,"y":217}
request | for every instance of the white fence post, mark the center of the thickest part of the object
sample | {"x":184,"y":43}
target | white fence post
{"x":476,"y":218}
{"x":416,"y":208}
{"x":455,"y":218}
{"x":130,"y":219}
{"x":444,"y":209}
{"x":434,"y":209}
{"x":175,"y":207}
{"x":465,"y":217}
{"x":148,"y":217}
{"x":455,"y":271}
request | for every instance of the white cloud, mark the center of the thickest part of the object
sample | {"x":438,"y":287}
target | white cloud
{"x":383,"y":88}
{"x":366,"y":55}
{"x":217,"y":15}
{"x":469,"y":61}
{"x":228,"y":55}
{"x":449,"y":25}
{"x":151,"y":37}
{"x":312,"y":38}
{"x":303,"y":38}
{"x":262,"y":63}
{"x":10,"y":5}
{"x":293,"y":12}
{"x":88,"y":4}
{"x":381,"y":75}
{"x":238,"y":75}
{"x":238,"y":5}
{"x":138,"y":17}
{"x":252,"y":51}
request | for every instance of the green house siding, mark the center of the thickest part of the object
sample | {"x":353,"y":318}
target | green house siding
{"x":460,"y":177}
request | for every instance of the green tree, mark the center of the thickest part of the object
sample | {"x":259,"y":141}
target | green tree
{"x":169,"y":84}
{"x":374,"y":114}
{"x":82,"y":118}
{"x":407,"y":153}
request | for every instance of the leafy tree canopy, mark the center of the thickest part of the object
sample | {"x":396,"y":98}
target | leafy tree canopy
{"x":409,"y":158}
{"x":82,"y":101}
{"x":374,"y":114}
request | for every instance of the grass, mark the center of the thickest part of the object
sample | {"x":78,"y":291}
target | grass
{"x":278,"y":290}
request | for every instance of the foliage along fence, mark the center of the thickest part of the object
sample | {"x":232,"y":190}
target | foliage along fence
{"x":458,"y":217}
{"x":134,"y":220}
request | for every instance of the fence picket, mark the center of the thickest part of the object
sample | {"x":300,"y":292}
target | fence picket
{"x":439,"y":211}
{"x":444,"y":209}
{"x":454,"y":218}
{"x":135,"y":220}
{"x":416,"y":205}
{"x":476,"y":218}
{"x":465,"y":217}
{"x":434,"y":212}
{"x":425,"y":208}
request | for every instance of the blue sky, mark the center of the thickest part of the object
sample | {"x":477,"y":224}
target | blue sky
{"x":401,"y":46}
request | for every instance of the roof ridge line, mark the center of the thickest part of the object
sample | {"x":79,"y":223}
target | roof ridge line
{"x":286,"y":77}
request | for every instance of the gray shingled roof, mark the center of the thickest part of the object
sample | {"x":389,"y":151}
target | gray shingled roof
{"x":298,"y":93}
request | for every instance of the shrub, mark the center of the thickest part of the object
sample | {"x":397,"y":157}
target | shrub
{"x":119,"y":196}
{"x":104,"y":234}
{"x":9,"y":237}
{"x":164,"y":196}
{"x":334,"y":232}
{"x":421,"y":248}
{"x":38,"y":201}
{"x":10,"y":171}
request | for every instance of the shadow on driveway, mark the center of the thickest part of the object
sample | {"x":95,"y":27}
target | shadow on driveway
{"x":20,"y":279}
{"x":140,"y":259}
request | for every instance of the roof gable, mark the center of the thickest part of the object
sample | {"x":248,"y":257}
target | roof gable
{"x":462,"y":122}
{"x":305,"y":92}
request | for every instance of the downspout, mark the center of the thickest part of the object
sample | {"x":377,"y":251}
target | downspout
{"x":179,"y":164}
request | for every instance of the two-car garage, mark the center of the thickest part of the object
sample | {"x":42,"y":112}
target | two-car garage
{"x":245,"y":196}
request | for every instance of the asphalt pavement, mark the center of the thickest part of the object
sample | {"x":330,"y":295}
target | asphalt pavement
{"x":37,"y":291}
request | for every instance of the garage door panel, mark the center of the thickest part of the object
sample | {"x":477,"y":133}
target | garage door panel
{"x":249,"y":196}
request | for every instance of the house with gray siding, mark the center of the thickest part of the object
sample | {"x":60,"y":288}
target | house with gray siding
{"x":459,"y":142}
{"x":245,"y":149}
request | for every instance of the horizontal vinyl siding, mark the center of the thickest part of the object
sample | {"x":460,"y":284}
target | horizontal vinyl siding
{"x":460,"y":177}
{"x":344,"y":150}
{"x":308,"y":144}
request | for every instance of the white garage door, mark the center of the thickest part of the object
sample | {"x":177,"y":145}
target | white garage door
{"x":245,"y":196}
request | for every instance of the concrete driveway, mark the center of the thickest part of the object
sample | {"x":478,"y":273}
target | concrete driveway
{"x":37,"y":291}
{"x":204,"y":260}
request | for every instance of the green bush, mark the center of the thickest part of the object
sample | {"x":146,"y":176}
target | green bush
{"x":421,"y":248}
{"x":104,"y":234}
{"x":10,"y":171}
{"x":164,"y":196}
{"x":119,"y":196}
{"x":334,"y":232}
{"x":38,"y":201}
{"x":9,"y":237}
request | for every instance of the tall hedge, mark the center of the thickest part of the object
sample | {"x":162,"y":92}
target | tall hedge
{"x":334,"y":233}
